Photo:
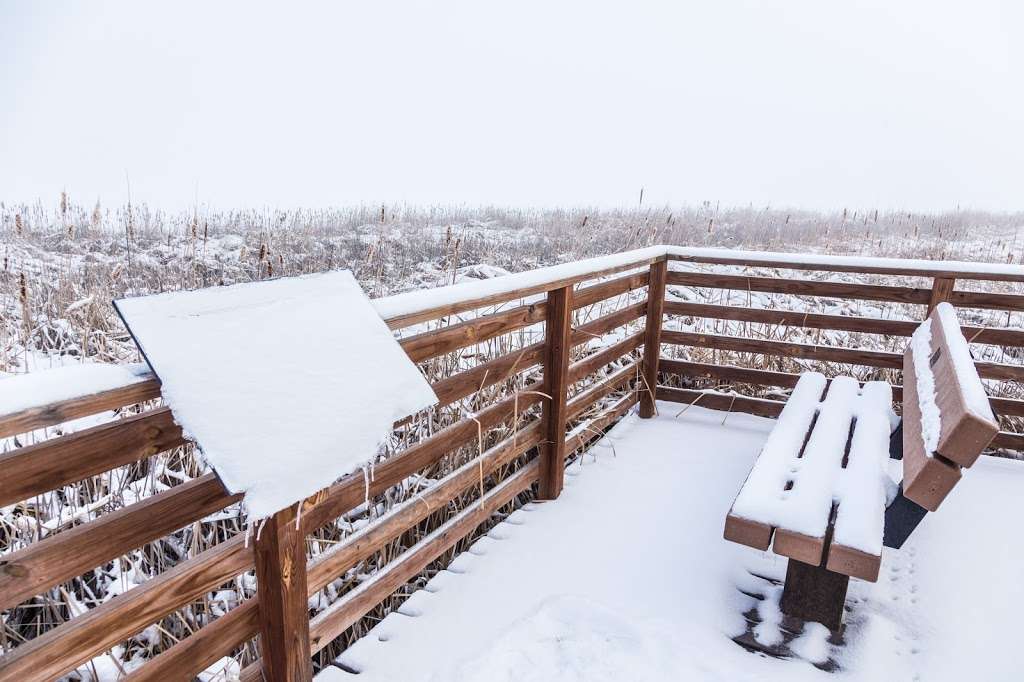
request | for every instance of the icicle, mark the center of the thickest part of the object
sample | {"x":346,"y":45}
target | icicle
{"x":259,"y":529}
{"x":298,"y":515}
{"x":248,"y":529}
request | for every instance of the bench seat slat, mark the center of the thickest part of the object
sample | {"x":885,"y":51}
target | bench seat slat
{"x":799,"y":495}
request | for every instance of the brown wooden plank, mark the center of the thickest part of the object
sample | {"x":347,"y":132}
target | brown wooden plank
{"x":739,"y":344}
{"x":485,"y":374}
{"x":1007,"y":407}
{"x":942,"y":287}
{"x":584,"y":434}
{"x":850,"y":323}
{"x":350,"y":491}
{"x":1000,"y":372}
{"x":282,"y":593}
{"x":196,"y":653}
{"x":792,"y":318}
{"x":801,"y":287}
{"x":583,"y":368}
{"x":41,"y":565}
{"x":927,"y":479}
{"x":35,"y":469}
{"x":853,"y":562}
{"x":468,"y":382}
{"x":82,"y":406}
{"x":435,"y":312}
{"x":370,"y":539}
{"x":934,"y":270}
{"x":616,"y":381}
{"x":605,"y":290}
{"x":602,"y":325}
{"x":1008,"y":441}
{"x":728,"y":373}
{"x":721,"y":401}
{"x":851,"y":356}
{"x":804,"y":548}
{"x":987,"y":300}
{"x":558,"y":345}
{"x":742,"y":375}
{"x":62,"y":649}
{"x":746,"y":532}
{"x":341,"y":615}
{"x":652,"y":339}
{"x":455,"y":336}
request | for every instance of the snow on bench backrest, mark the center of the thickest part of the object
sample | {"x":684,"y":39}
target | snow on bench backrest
{"x":947,"y":419}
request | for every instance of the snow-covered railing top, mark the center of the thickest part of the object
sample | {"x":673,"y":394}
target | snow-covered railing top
{"x":414,"y":306}
{"x":20,"y":413}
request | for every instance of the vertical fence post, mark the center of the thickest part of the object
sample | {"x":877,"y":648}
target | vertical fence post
{"x":652,"y":337}
{"x":942,"y":287}
{"x":281,"y":589}
{"x":557,"y":344}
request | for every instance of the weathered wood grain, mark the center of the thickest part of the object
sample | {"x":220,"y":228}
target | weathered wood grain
{"x":196,"y":653}
{"x":52,"y":560}
{"x":75,"y":642}
{"x":558,"y":345}
{"x":328,"y":624}
{"x":282,"y":593}
{"x":57,"y":462}
{"x":455,"y":336}
{"x":652,"y":338}
{"x":907,"y":271}
{"x":849,"y":323}
{"x":582,"y":368}
{"x":802,"y":287}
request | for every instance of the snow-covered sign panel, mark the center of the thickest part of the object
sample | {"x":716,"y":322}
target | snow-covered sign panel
{"x":284,"y":385}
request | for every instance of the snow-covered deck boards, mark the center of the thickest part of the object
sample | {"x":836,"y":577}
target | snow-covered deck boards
{"x":626,"y":576}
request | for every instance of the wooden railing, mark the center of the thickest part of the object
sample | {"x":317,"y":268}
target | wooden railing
{"x":551,"y":399}
{"x":742,"y":347}
{"x":278,"y":613}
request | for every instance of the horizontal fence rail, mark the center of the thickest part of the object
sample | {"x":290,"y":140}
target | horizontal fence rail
{"x":510,"y":417}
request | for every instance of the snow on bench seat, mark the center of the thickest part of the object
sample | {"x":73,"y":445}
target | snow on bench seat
{"x":822,"y":472}
{"x":948,"y":421}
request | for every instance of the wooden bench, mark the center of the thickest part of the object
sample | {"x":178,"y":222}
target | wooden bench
{"x":819,"y":492}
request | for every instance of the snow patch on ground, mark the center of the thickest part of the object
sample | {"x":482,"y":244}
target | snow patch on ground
{"x":626,"y":577}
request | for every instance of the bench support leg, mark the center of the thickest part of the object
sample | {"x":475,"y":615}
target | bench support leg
{"x":901,"y":518}
{"x":814,"y":593}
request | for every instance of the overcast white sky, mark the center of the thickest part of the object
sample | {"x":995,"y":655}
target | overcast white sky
{"x":915,"y":104}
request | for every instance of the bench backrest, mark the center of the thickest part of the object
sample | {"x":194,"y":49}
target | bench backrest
{"x":947,"y":420}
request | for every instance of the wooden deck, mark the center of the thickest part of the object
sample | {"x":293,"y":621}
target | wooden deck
{"x":548,"y":399}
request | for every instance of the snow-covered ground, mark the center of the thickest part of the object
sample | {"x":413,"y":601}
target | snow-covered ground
{"x":558,"y":592}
